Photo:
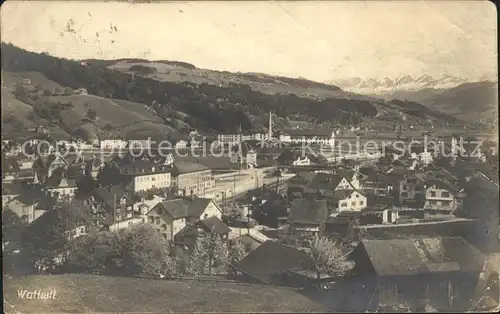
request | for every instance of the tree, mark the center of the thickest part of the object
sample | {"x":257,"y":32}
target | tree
{"x":327,"y":257}
{"x":197,"y":259}
{"x":236,"y":252}
{"x":19,"y":91}
{"x":91,"y":114}
{"x":12,"y":225}
{"x":145,"y":251}
{"x":216,"y":251}
{"x":98,"y":253}
{"x":50,"y":237}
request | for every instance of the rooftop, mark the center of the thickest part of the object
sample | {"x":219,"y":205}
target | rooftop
{"x":417,"y":256}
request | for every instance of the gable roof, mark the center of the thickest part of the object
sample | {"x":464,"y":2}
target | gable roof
{"x":418,"y":256}
{"x":57,"y":177}
{"x":182,"y":207}
{"x":215,"y":225}
{"x":325,"y":181}
{"x":308,"y":212}
{"x":108,"y":195}
{"x":271,"y":259}
{"x":182,"y":167}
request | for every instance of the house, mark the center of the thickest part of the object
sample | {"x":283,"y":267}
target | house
{"x":328,"y":183}
{"x":143,"y":175}
{"x":411,"y":190}
{"x":191,"y":233}
{"x":441,"y":196}
{"x":31,"y":204}
{"x":139,"y":143}
{"x":268,"y":263}
{"x":111,"y":205}
{"x":270,"y":209}
{"x":346,"y":200}
{"x":44,"y":166}
{"x":81,"y":91}
{"x":10,"y":168}
{"x":171,"y":216}
{"x":59,"y":185}
{"x":307,"y":215}
{"x":441,"y":272}
{"x":381,"y":184}
{"x":192,"y":178}
{"x":299,"y":182}
{"x":113,"y":144}
{"x":293,"y":158}
{"x":318,"y":137}
{"x":11,"y":190}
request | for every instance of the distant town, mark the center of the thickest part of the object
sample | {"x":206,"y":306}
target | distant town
{"x":251,"y":213}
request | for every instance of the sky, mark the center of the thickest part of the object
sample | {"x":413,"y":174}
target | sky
{"x":322,"y":40}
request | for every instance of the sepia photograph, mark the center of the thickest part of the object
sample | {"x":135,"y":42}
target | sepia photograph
{"x":250,"y":156}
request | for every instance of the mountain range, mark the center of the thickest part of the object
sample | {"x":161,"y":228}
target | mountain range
{"x":135,"y":97}
{"x":467,"y":99}
{"x":390,"y":85}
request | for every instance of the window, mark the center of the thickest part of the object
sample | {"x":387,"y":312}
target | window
{"x":357,"y":195}
{"x":343,"y":204}
{"x":445,"y":194}
{"x":151,"y":219}
{"x":404,"y":194}
{"x":433,"y":193}
{"x":353,"y":203}
{"x":405,"y":187}
{"x":432,"y":202}
{"x":361,"y":203}
{"x":157,"y":220}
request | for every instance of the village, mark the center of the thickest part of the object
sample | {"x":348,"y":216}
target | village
{"x":264,"y":212}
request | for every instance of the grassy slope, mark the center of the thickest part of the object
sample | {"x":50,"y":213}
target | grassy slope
{"x":259,"y":82}
{"x":124,"y":116}
{"x":89,"y":293}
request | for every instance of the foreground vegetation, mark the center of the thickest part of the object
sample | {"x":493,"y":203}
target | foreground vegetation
{"x":92,"y":293}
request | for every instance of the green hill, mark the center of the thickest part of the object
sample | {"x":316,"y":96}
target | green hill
{"x":90,"y":293}
{"x":180,"y":95}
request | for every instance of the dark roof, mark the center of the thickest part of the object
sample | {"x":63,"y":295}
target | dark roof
{"x":307,"y":176}
{"x":183,"y":207}
{"x":31,"y":194}
{"x":12,"y":188}
{"x":325,"y":181}
{"x":57,"y":177}
{"x":308,"y":212}
{"x":267,"y":262}
{"x":111,"y":195}
{"x":181,"y":167}
{"x":417,"y":256}
{"x":215,"y":225}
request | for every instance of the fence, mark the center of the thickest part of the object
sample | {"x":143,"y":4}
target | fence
{"x":215,"y":279}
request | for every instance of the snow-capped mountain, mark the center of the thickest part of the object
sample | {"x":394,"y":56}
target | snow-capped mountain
{"x":402,"y":83}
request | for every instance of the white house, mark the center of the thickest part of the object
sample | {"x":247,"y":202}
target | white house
{"x":302,"y":161}
{"x":112,"y":144}
{"x":348,"y":200}
{"x":171,"y":216}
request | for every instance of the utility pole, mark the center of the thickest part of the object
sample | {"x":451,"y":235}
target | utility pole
{"x":114,"y":211}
